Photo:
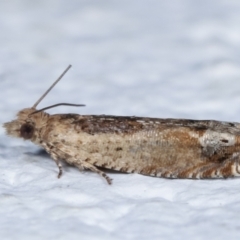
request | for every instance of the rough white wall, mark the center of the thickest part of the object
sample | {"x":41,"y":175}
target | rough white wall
{"x":177,"y":58}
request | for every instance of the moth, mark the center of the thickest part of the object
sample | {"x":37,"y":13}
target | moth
{"x":169,"y":148}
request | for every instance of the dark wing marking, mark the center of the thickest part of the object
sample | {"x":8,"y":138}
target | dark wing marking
{"x":123,"y":124}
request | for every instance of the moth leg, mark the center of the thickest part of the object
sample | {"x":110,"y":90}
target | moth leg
{"x":94,"y":169}
{"x":56,"y":160}
{"x":72,"y":160}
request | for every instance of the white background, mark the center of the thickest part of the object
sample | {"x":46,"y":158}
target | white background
{"x":177,"y":58}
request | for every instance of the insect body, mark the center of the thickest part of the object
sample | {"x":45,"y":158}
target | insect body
{"x":171,"y":148}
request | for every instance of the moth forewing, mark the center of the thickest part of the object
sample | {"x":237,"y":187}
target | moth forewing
{"x":171,"y":148}
{"x":156,"y":147}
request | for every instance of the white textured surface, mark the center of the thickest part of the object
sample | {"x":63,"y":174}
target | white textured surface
{"x":177,"y":58}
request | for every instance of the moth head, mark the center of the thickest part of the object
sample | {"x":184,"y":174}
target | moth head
{"x":29,"y":120}
{"x":24,"y":125}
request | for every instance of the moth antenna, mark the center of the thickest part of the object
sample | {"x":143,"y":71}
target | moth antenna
{"x":56,"y":105}
{"x":44,"y":95}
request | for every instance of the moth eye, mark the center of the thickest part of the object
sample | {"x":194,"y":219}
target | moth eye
{"x":26,"y":131}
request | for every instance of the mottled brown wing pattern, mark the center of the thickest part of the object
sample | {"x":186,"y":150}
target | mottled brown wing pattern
{"x":156,"y":147}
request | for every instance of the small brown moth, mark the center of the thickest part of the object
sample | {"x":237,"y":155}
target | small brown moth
{"x":170,"y":148}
